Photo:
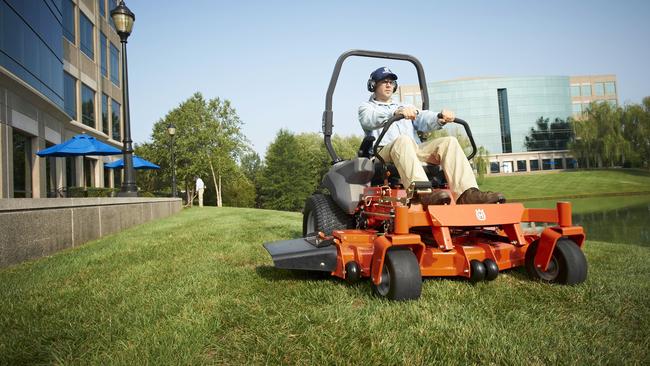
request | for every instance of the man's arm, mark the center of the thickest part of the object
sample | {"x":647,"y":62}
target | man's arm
{"x":429,"y":121}
{"x":372,"y":117}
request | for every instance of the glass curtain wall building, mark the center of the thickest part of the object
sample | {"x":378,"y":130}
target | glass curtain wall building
{"x":502,"y":110}
{"x":59,"y":72}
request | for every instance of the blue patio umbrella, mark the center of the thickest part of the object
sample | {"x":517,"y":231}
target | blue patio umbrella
{"x":138,"y":163}
{"x":79,"y":145}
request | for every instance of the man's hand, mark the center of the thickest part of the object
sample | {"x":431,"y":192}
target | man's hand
{"x":446,"y":116}
{"x":408,"y":112}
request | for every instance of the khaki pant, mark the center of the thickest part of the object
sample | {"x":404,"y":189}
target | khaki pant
{"x":444,"y":151}
{"x":201,"y":197}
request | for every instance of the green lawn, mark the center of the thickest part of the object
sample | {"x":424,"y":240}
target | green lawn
{"x":198,"y":288}
{"x":569,"y":183}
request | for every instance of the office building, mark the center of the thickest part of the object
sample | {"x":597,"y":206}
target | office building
{"x":502,"y":110}
{"x":60,"y":75}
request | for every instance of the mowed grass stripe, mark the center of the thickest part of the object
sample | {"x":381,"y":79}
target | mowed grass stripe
{"x":569,"y":183}
{"x":199,"y":288}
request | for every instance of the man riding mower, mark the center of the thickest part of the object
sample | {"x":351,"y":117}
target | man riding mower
{"x":372,"y":225}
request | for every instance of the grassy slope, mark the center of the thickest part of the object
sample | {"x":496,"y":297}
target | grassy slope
{"x":570,"y":183}
{"x":199,"y":288}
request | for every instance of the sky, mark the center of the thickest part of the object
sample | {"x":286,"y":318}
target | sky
{"x":274,"y":59}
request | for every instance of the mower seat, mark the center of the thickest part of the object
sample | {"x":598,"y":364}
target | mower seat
{"x":434,"y":172}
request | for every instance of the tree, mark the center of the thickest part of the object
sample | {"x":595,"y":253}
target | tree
{"x":208,"y":143}
{"x":636,"y":130}
{"x":480,"y":161}
{"x":307,"y":173}
{"x":549,"y":136}
{"x":285,"y":181}
{"x":149,"y":180}
{"x":252,"y":167}
{"x":600,"y":138}
{"x":584,"y":146}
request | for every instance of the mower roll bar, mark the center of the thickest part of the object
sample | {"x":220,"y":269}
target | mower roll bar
{"x":398,"y":117}
{"x":328,"y":113}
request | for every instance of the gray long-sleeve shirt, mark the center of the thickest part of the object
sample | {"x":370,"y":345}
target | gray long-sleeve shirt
{"x":373,"y":113}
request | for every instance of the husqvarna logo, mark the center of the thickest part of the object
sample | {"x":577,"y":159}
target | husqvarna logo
{"x":480,"y":214}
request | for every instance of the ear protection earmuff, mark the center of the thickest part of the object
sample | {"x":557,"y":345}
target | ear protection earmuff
{"x":372,"y":83}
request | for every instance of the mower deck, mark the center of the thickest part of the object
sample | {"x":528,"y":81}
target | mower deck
{"x":447,"y":240}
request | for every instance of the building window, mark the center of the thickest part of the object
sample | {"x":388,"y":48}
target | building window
{"x":89,"y":171}
{"x":504,"y":121}
{"x":521,"y":165}
{"x":418,"y":101}
{"x":103,"y":55}
{"x":31,"y":45}
{"x":70,"y":172}
{"x":557,"y":163}
{"x":547,"y":164}
{"x":87,"y":106}
{"x":68,"y":20}
{"x":86,"y":35}
{"x":50,"y":174}
{"x":115,"y":65}
{"x":599,"y":89}
{"x":612,"y":103}
{"x":570,"y":163}
{"x":107,"y":178}
{"x":22,"y":165}
{"x":586,"y":107}
{"x":577,"y":108}
{"x":102,"y":7}
{"x":112,"y":4}
{"x":117,"y":178}
{"x":494,"y":167}
{"x":534,"y":165}
{"x":115,"y":117}
{"x":610,"y":88}
{"x":70,"y":95}
{"x":575,"y":90}
{"x":585,"y":90}
{"x":105,"y":122}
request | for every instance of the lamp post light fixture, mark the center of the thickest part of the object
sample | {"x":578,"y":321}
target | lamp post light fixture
{"x":123,"y":19}
{"x":171,"y":130}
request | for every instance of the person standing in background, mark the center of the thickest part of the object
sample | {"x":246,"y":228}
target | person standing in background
{"x":200,"y":188}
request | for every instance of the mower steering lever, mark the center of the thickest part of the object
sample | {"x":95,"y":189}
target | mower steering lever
{"x":400,"y":116}
{"x":389,"y":122}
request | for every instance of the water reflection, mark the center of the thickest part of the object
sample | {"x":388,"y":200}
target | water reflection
{"x":612,"y":219}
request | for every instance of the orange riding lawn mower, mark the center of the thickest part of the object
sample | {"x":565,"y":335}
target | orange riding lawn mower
{"x":369,"y":225}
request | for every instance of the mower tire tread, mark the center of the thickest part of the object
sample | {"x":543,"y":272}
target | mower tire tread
{"x":571,"y":262}
{"x":327,"y":216}
{"x":401,"y":276}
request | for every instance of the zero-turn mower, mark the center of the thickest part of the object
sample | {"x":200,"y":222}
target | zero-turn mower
{"x":370,"y":226}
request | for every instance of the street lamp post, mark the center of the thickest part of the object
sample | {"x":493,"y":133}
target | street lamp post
{"x":123,"y":19}
{"x":171,"y":130}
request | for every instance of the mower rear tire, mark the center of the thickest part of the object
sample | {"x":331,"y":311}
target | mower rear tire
{"x":401,"y":278}
{"x":322,"y":214}
{"x":568,"y":265}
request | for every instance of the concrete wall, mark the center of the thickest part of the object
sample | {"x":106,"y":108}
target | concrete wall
{"x":33,"y":228}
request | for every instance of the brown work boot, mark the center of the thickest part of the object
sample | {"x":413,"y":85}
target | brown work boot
{"x":435,"y":198}
{"x":474,"y":196}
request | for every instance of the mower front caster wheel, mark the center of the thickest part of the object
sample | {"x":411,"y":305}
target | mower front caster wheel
{"x":491,"y":269}
{"x":568,"y":265}
{"x":477,"y":271}
{"x":352,"y":272}
{"x":400,"y":277}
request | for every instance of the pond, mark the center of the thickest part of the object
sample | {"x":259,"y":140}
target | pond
{"x":619,"y":219}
